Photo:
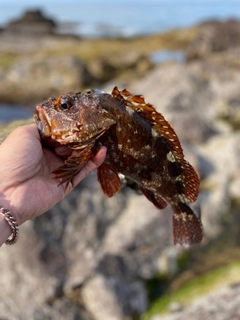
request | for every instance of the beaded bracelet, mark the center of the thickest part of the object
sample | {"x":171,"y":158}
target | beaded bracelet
{"x":12,"y":223}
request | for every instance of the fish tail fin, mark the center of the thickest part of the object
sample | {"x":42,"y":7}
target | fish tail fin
{"x":187,"y":227}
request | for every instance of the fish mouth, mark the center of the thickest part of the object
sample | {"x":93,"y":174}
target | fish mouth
{"x":42,"y":121}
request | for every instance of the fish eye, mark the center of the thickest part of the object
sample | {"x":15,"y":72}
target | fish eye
{"x":64,"y":106}
{"x":63,"y":103}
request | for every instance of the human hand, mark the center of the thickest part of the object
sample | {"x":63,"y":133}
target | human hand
{"x":26,"y":185}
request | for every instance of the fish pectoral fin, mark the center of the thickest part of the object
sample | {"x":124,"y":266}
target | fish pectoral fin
{"x":109,"y":180}
{"x":155,"y":198}
{"x":73,"y":165}
{"x":187,"y":227}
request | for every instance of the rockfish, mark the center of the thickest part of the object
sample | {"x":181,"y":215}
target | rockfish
{"x":140,"y":143}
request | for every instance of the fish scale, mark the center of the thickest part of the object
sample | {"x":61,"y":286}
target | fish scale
{"x":140,"y":143}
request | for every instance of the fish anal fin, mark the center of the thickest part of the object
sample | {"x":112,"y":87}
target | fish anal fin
{"x":73,"y":165}
{"x":109,"y":180}
{"x":156,"y":199}
{"x":187,"y":227}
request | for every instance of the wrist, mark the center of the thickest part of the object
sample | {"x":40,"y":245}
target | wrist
{"x":5,"y":230}
{"x":11,"y":206}
{"x":6,"y":214}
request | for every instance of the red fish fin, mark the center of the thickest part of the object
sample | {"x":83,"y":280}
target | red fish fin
{"x":154,"y":198}
{"x":73,"y":165}
{"x":109,"y":180}
{"x":187,"y":227}
{"x":149,"y":113}
{"x":191,"y":182}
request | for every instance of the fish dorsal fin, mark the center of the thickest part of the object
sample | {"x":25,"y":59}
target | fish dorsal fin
{"x":191,"y":182}
{"x":163,"y":129}
{"x":149,"y":113}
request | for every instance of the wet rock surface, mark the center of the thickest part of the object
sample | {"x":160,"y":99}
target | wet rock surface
{"x":215,"y":36}
{"x":222,"y":305}
{"x":87,"y":253}
{"x":43,"y":77}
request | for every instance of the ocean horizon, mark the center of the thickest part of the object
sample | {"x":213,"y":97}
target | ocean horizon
{"x":123,"y":18}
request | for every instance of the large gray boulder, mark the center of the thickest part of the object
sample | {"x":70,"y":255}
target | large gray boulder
{"x":36,"y":78}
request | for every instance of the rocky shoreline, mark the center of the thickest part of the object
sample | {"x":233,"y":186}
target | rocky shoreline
{"x":34,"y":64}
{"x":88,"y":258}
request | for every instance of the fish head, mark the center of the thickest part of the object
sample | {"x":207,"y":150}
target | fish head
{"x":72,"y":119}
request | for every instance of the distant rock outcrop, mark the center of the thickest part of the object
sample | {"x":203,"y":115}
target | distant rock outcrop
{"x":215,"y":36}
{"x":34,"y":78}
{"x":33,"y":22}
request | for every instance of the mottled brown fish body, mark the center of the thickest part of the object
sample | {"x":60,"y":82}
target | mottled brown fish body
{"x":141,"y":145}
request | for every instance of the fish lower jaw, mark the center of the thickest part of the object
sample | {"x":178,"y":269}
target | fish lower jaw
{"x":42,"y":122}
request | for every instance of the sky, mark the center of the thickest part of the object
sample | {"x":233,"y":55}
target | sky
{"x":39,"y":2}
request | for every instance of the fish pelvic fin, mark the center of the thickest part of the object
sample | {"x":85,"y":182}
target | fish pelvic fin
{"x":187,"y":227}
{"x":109,"y":180}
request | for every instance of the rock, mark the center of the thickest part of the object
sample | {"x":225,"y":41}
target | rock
{"x":222,"y":152}
{"x":60,"y":309}
{"x":214,"y":36}
{"x":86,"y":242}
{"x":33,"y":22}
{"x":175,"y":307}
{"x":168,"y":261}
{"x":193,"y":98}
{"x":36,"y":78}
{"x":138,"y":243}
{"x":222,"y":304}
{"x":129,"y":65}
{"x":113,"y":298}
{"x":189,"y":105}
